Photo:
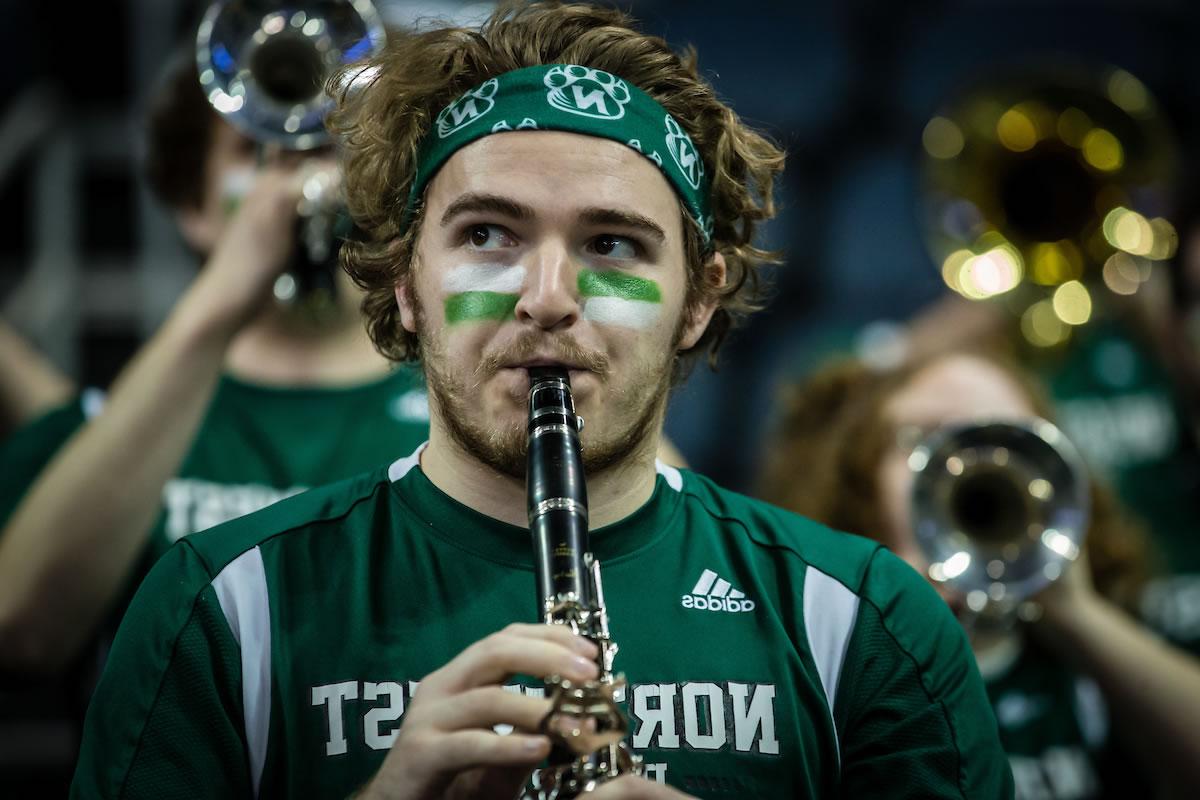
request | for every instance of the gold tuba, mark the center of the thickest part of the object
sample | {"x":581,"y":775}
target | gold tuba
{"x":1000,"y":510}
{"x":1043,"y":190}
{"x":263,"y":65}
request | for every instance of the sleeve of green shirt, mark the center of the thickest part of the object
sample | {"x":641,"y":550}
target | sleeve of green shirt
{"x":166,"y":718}
{"x":27,"y":451}
{"x":912,"y":713}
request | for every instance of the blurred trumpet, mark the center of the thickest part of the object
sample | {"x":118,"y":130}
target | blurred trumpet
{"x":263,"y":66}
{"x":1000,"y":510}
{"x":1044,"y":189}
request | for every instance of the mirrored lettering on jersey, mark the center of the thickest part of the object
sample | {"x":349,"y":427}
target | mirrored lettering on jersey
{"x":697,"y":715}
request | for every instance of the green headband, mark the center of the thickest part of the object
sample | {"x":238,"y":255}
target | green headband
{"x":568,"y":97}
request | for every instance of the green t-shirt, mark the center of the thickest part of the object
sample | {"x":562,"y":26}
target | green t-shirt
{"x":1116,"y":403}
{"x":1054,"y":725}
{"x":256,"y":445}
{"x":767,"y":656}
{"x":27,"y":450}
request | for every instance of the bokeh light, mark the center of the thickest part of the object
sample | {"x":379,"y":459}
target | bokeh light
{"x":1072,"y":303}
{"x":1121,"y":274}
{"x":1129,"y":93}
{"x":1165,"y":239}
{"x":1017,"y":130}
{"x":1129,"y":231}
{"x":1053,"y":263}
{"x":942,"y":138}
{"x":988,"y":274}
{"x":1073,"y":125}
{"x":1103,"y":150}
{"x":1041,"y":327}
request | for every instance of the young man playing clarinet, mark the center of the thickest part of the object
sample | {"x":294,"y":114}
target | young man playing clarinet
{"x":556,"y":191}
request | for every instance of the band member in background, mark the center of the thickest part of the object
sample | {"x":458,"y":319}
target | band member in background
{"x":1083,"y":694}
{"x":234,"y":403}
{"x":1171,"y":602}
{"x":553,"y":189}
{"x":1125,"y":388}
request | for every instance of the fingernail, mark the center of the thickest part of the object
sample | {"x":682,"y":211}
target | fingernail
{"x":533,"y":744}
{"x":584,"y":666}
{"x":585,"y":646}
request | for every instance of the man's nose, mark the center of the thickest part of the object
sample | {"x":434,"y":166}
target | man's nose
{"x":550,"y":299}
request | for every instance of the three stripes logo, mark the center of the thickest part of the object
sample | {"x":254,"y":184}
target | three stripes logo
{"x":716,"y":594}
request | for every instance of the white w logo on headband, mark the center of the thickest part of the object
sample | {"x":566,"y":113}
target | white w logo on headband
{"x":680,"y":146}
{"x":587,"y":92}
{"x":466,"y":109}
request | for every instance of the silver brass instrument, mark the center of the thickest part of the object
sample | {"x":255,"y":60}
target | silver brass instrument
{"x":1000,"y":510}
{"x":585,"y":724}
{"x":263,"y":65}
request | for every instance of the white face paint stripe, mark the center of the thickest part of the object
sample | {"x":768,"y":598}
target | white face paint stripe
{"x":621,"y":312}
{"x":484,"y":278}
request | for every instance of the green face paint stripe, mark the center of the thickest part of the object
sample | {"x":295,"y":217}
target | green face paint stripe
{"x":479,"y":306}
{"x":614,"y":284}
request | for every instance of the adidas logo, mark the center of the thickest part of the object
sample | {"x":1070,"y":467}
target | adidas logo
{"x":715,"y":594}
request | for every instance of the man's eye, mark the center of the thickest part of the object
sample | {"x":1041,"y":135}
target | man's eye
{"x":614,"y":247}
{"x":488,"y":237}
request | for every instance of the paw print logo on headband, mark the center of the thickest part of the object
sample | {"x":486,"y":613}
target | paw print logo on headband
{"x":466,"y":109}
{"x":686,"y":157}
{"x":586,"y":92}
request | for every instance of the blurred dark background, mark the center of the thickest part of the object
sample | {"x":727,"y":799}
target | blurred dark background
{"x":89,"y":266}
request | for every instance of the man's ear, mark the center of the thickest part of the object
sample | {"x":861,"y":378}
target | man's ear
{"x":407,"y":304}
{"x":700,"y":314}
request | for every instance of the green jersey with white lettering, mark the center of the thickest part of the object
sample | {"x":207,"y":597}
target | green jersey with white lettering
{"x":1054,"y":724}
{"x":766,"y":655}
{"x":1115,"y":402}
{"x":256,"y":445}
{"x":259,"y":444}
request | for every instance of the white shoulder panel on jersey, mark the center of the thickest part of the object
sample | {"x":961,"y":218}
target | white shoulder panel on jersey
{"x":830,"y":611}
{"x":673,"y":476}
{"x":242,"y":591}
{"x":400,"y":467}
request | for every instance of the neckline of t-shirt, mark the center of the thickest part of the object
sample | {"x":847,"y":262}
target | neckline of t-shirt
{"x":401,"y":374}
{"x":502,"y":543}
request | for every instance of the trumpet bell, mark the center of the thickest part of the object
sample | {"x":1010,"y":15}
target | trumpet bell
{"x":1000,"y":509}
{"x":263,"y":63}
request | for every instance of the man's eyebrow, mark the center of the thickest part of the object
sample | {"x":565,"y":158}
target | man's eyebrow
{"x":624,"y":219}
{"x":474,"y":203}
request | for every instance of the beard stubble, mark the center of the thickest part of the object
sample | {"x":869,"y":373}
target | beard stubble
{"x":634,"y":410}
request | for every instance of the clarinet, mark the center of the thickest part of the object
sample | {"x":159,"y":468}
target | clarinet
{"x":585,"y":725}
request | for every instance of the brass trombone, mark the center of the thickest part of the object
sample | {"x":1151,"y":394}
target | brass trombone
{"x":1045,"y":189}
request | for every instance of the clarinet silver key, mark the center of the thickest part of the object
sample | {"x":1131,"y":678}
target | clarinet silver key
{"x":585,"y":724}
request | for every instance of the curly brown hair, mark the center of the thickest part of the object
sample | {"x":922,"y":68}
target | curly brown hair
{"x":382,"y":125}
{"x":834,"y":431}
